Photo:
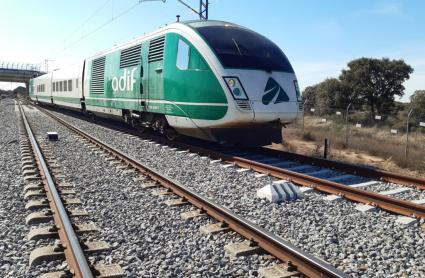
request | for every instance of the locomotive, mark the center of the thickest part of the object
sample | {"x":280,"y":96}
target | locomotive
{"x":212,"y":80}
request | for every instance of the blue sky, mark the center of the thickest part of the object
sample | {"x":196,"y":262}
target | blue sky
{"x":318,"y":36}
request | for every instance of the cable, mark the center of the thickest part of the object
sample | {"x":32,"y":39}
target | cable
{"x":113,"y":18}
{"x":87,"y":20}
{"x":99,"y":27}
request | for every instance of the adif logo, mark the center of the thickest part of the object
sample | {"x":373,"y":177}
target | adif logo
{"x":273,"y":91}
{"x":125,"y":82}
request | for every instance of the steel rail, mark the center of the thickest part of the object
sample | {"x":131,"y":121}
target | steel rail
{"x":382,"y":175}
{"x":356,"y":194}
{"x":74,"y":254}
{"x":276,"y":246}
{"x":388,"y":203}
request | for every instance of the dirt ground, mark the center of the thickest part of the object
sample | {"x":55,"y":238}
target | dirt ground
{"x":294,"y":143}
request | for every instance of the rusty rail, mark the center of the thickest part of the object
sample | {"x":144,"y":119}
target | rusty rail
{"x":74,"y":254}
{"x":356,"y":194}
{"x":276,"y":246}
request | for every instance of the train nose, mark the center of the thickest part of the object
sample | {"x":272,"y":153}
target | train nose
{"x":267,"y":97}
{"x":277,"y":101}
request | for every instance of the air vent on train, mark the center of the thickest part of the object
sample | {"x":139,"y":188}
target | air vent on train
{"x":300,"y":106}
{"x":130,"y":57}
{"x":156,"y":50}
{"x":244,"y":105}
{"x":97,"y":75}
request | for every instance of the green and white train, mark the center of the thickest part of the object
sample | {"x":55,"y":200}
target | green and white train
{"x":212,"y":80}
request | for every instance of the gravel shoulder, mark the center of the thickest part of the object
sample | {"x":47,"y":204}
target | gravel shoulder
{"x":361,"y":245}
{"x":14,"y":249}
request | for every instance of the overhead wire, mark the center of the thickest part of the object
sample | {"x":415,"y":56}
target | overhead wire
{"x":113,"y":18}
{"x":87,"y":19}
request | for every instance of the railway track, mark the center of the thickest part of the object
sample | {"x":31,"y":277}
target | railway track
{"x":346,"y":168}
{"x":69,"y":245}
{"x":305,"y":263}
{"x":352,"y":192}
{"x":332,"y":177}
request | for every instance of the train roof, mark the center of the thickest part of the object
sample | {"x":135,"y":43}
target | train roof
{"x":206,"y":23}
{"x":193,"y":24}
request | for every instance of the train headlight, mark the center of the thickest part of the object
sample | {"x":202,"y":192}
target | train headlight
{"x":235,"y":87}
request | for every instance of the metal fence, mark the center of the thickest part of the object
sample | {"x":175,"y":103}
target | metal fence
{"x":346,"y":124}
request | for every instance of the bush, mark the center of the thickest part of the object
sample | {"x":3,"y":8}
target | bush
{"x":307,"y":136}
{"x":376,"y":142}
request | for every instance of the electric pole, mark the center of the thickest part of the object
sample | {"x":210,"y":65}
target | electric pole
{"x":46,"y":66}
{"x":407,"y":133}
{"x":347,"y":111}
{"x":202,"y":12}
{"x":203,"y":8}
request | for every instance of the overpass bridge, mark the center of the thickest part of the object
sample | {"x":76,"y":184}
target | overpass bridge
{"x":19,"y":72}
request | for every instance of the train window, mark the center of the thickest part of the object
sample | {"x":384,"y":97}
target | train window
{"x":238,"y":47}
{"x":76,"y":83}
{"x":64,"y":86}
{"x":57,"y":86}
{"x":69,"y":85}
{"x":60,"y":86}
{"x":182,"y":61}
{"x":53,"y":87}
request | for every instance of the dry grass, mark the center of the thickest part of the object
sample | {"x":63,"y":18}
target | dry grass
{"x":379,"y":143}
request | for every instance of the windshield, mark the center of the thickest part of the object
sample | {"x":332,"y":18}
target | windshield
{"x":236,"y":47}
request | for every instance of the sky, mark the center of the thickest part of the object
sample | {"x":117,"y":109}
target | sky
{"x":318,"y":36}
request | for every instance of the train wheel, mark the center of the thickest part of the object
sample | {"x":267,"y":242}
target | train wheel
{"x":159,"y":125}
{"x":171,"y":134}
{"x":140,"y":129}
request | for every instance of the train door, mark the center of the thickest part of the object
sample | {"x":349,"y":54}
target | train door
{"x":143,"y":77}
{"x":155,"y":74}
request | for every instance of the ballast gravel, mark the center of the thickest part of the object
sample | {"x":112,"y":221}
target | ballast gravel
{"x":148,"y":238}
{"x":14,"y":249}
{"x":411,"y":194}
{"x":360,"y":244}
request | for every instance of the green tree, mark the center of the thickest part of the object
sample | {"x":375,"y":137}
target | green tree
{"x":376,"y":82}
{"x":309,"y":97}
{"x":417,"y":101}
{"x":327,"y":95}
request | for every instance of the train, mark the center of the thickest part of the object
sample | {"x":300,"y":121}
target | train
{"x":212,"y":80}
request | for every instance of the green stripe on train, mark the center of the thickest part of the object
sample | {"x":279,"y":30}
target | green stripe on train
{"x":67,"y":99}
{"x":194,"y":111}
{"x":43,"y":97}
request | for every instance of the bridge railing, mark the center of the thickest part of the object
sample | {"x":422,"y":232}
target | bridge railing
{"x":19,"y":66}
